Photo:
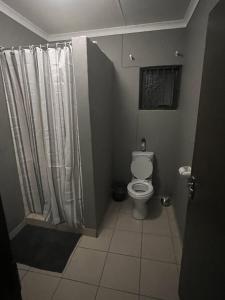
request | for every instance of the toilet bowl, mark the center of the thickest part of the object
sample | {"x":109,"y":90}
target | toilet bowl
{"x":140,"y":189}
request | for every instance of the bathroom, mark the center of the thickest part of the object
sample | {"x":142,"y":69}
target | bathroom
{"x":117,"y":256}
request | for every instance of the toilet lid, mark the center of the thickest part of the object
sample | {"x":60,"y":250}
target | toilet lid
{"x":141,"y":168}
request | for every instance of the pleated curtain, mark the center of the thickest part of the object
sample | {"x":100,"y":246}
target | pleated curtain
{"x":41,"y":100}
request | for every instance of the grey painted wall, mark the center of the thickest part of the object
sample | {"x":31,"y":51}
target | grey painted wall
{"x":80,"y":61}
{"x":93,"y":76}
{"x":11,"y":34}
{"x":189,"y":100}
{"x":160,"y":128}
{"x":100,"y":74}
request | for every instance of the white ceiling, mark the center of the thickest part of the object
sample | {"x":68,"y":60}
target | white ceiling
{"x":54,"y":17}
{"x":149,"y":11}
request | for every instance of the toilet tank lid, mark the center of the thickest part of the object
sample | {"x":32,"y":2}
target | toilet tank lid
{"x":141,"y":153}
{"x":141,"y":167}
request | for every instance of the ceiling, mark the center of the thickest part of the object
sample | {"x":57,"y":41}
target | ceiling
{"x":55,"y":17}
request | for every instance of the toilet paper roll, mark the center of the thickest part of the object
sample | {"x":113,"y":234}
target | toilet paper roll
{"x":185,"y":171}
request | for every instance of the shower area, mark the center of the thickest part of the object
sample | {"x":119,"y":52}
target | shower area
{"x":59,"y":102}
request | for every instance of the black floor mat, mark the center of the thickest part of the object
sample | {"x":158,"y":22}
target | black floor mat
{"x":43,"y":248}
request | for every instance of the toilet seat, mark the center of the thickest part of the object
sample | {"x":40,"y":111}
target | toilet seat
{"x":141,"y":168}
{"x":139,"y":189}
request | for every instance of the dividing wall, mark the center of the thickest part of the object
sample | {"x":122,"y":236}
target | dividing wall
{"x":94,"y":79}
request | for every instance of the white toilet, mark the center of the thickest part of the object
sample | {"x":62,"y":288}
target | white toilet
{"x":140,"y":189}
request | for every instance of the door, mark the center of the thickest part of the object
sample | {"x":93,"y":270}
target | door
{"x":10,"y":284}
{"x":203,"y":264}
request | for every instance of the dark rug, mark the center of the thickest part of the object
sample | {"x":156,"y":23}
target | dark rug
{"x":43,"y":248}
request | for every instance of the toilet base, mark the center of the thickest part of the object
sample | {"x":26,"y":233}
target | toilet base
{"x":140,"y":211}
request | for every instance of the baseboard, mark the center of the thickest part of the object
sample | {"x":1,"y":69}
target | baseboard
{"x":89,"y":232}
{"x":17,"y":229}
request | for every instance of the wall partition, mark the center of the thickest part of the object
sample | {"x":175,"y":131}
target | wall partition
{"x":94,"y":80}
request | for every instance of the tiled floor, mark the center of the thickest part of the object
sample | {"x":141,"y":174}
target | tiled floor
{"x":130,"y":260}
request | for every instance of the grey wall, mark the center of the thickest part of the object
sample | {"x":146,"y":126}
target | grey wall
{"x":80,"y":61}
{"x":189,"y":100}
{"x":93,"y":76}
{"x":100,"y":74}
{"x":160,"y":128}
{"x":11,"y":34}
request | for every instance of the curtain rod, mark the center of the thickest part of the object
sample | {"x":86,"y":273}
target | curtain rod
{"x":47,"y":45}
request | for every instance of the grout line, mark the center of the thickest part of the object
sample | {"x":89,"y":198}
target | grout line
{"x":79,"y":281}
{"x":45,"y":273}
{"x":173,"y":237}
{"x":119,"y":290}
{"x":54,"y":292}
{"x":107,"y":253}
{"x":157,"y":234}
{"x":173,"y":243}
{"x":152,"y":297}
{"x":139,"y":289}
{"x":25,"y":273}
{"x":71,"y":256}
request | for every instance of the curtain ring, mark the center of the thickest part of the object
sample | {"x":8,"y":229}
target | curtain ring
{"x":31,"y":47}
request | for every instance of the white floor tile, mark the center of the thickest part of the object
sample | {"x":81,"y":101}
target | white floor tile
{"x":174,"y":228}
{"x":159,"y":280}
{"x":127,"y":222}
{"x":155,"y":209}
{"x":45,"y":272}
{"x":178,"y":270}
{"x":22,"y":273}
{"x":38,"y":286}
{"x":178,"y":249}
{"x":158,"y":248}
{"x":86,"y":265}
{"x":171,"y":213}
{"x":159,"y":225}
{"x":22,"y":267}
{"x":121,"y":273}
{"x":110,"y":219}
{"x":126,"y":242}
{"x":72,"y":290}
{"x":127,"y":206}
{"x":102,"y":242}
{"x":115,"y":206}
{"x":107,"y":294}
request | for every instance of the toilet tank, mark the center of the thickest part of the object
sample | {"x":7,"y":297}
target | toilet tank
{"x":136,"y":154}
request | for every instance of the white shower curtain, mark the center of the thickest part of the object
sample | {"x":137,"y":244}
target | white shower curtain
{"x":41,"y":99}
